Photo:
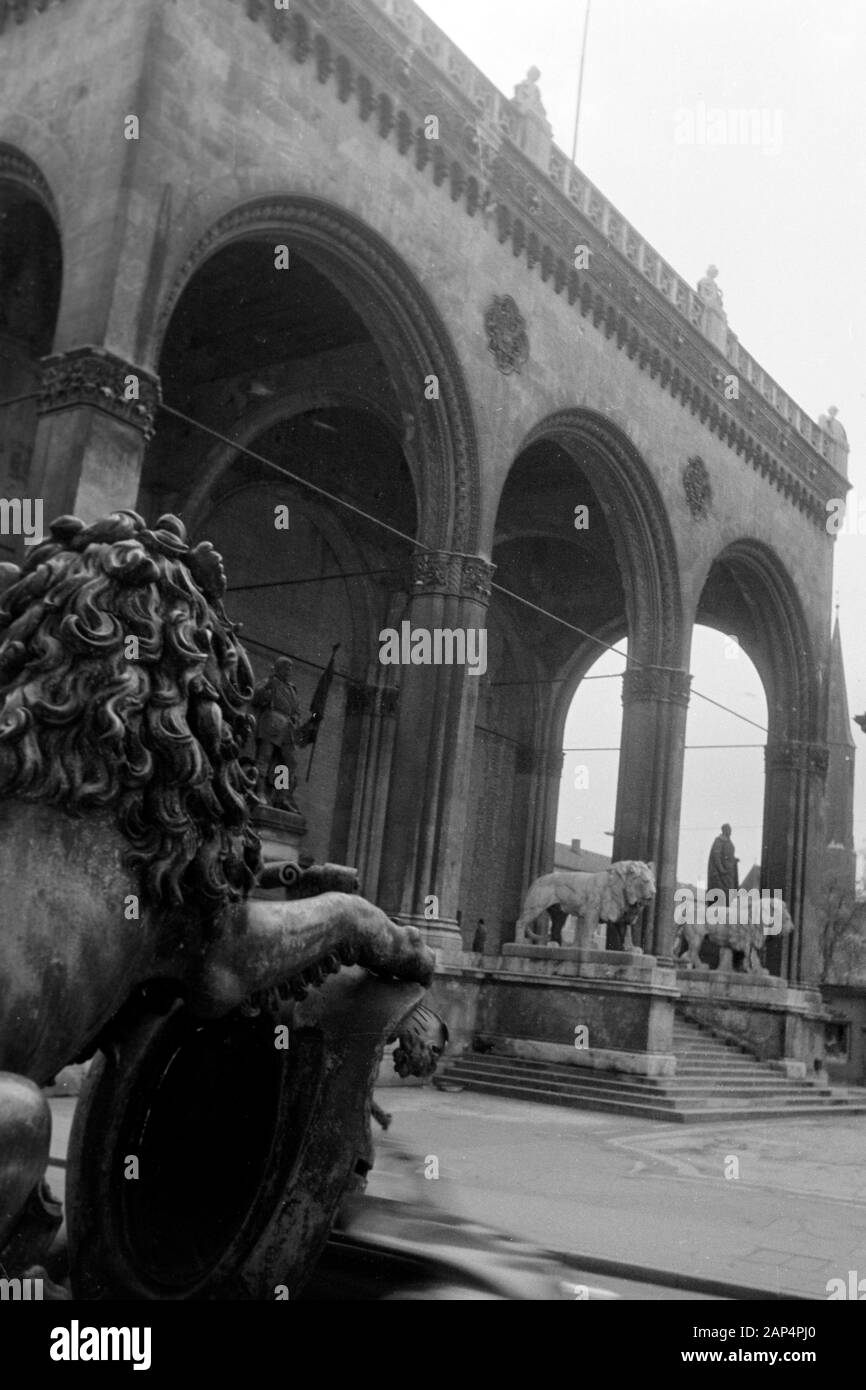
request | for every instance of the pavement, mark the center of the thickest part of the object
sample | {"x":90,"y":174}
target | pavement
{"x":793,"y":1217}
{"x":789,"y":1215}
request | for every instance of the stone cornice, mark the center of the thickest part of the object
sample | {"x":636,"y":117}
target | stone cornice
{"x":629,"y":291}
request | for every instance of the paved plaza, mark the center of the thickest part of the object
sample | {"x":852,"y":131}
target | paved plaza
{"x":654,"y":1195}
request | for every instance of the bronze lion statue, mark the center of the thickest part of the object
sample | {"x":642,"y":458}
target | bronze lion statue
{"x":129,"y":924}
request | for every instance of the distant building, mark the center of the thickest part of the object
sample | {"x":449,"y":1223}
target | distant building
{"x":584,"y":860}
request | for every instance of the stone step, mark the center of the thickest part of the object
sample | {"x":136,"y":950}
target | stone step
{"x":650,"y":1111}
{"x":602,"y":1084}
{"x":579,"y":1076}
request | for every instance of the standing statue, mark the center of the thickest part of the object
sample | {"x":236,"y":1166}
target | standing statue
{"x":279,"y":731}
{"x":715,"y":320}
{"x":831,"y":425}
{"x":129,"y":927}
{"x":527,"y":94}
{"x":722,"y":871}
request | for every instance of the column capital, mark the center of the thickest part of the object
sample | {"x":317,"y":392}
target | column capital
{"x":783,"y":755}
{"x":91,"y":376}
{"x":443,"y":572}
{"x":663,"y":684}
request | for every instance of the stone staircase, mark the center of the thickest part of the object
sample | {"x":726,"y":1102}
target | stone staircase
{"x":715,"y":1080}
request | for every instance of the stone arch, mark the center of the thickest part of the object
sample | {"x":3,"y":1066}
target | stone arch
{"x":778,"y":642}
{"x":220,"y":458}
{"x":17,"y":167}
{"x":403,"y":322}
{"x":637,"y":517}
{"x":771,"y":625}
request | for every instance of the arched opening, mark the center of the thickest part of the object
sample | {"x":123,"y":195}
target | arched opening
{"x":581,"y":534}
{"x":30,"y":275}
{"x":293,"y":372}
{"x":592,"y":736}
{"x":750,"y":600}
{"x":723,"y":771}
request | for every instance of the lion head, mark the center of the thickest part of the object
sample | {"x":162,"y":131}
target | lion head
{"x":122,"y":684}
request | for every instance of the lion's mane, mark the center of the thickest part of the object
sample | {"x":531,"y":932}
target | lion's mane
{"x":122,"y":684}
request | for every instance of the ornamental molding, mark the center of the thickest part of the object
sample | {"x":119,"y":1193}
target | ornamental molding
{"x":697,"y":487}
{"x":93,"y":377}
{"x":507,"y":338}
{"x":629,"y":292}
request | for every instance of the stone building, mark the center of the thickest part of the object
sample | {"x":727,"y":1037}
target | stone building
{"x":255,"y":258}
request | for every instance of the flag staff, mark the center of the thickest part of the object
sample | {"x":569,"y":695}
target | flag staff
{"x":580,"y":82}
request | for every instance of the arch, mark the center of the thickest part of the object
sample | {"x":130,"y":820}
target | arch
{"x":404,"y":324}
{"x":17,"y":167}
{"x":777,"y":639}
{"x":637,"y":518}
{"x":220,"y":458}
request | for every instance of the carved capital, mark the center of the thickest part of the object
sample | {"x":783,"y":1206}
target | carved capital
{"x":477,"y":579}
{"x":656,"y":683}
{"x":789,"y":755}
{"x":435,"y":572}
{"x":93,"y":377}
{"x":441,"y":572}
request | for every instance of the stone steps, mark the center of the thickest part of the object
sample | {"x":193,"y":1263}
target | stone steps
{"x":715,"y":1081}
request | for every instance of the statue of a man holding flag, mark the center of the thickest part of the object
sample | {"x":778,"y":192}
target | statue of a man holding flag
{"x":280,"y":730}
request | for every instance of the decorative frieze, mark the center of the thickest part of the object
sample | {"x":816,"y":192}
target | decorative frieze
{"x":93,"y":377}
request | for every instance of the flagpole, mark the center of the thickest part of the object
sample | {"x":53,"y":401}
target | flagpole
{"x":326,"y":676}
{"x":580,"y":82}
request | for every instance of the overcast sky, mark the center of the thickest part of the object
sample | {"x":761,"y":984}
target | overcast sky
{"x":785,"y":222}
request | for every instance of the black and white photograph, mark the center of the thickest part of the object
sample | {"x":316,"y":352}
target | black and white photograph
{"x":432,"y":671}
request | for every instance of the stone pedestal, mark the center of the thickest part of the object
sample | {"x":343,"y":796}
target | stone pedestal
{"x":281,"y":833}
{"x":776,"y":1021}
{"x":536,"y":1001}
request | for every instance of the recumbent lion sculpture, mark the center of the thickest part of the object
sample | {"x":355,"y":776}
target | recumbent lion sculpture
{"x":615,"y":896}
{"x":127,"y":863}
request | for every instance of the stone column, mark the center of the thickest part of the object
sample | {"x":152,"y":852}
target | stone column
{"x":96,"y":415}
{"x":372,"y":709}
{"x":649,"y":790}
{"x":425,"y":824}
{"x":792,"y":852}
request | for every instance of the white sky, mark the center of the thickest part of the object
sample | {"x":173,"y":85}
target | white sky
{"x":787,"y":230}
